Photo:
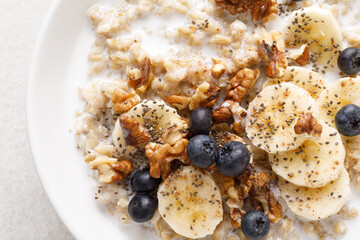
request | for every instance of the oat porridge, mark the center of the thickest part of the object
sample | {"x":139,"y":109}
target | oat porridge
{"x":243,"y":124}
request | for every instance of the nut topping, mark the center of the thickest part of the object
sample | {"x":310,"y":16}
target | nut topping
{"x":308,"y":124}
{"x":259,"y":186}
{"x":110,"y":169}
{"x":274,"y":59}
{"x":139,"y":79}
{"x":124,"y":101}
{"x":300,"y":56}
{"x":134,"y":133}
{"x":230,"y":112}
{"x":205,"y":95}
{"x":256,"y":6}
{"x":161,"y":155}
{"x":241,"y":83}
{"x":180,"y":102}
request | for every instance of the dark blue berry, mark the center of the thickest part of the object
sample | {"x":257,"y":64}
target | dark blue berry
{"x":349,"y":61}
{"x":141,"y":181}
{"x":200,"y":121}
{"x":255,"y":225}
{"x":347,"y":120}
{"x":233,"y":159}
{"x":202,"y":151}
{"x":142,"y":207}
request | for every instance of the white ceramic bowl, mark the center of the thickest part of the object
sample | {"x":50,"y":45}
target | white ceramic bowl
{"x":59,"y":67}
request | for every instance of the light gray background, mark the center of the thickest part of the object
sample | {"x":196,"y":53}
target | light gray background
{"x":25,"y":211}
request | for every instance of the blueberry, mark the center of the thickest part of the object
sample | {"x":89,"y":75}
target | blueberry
{"x":255,"y":225}
{"x":142,"y":207}
{"x":200,"y":121}
{"x":234,"y":158}
{"x":349,"y":61}
{"x":202,"y":151}
{"x":347,"y":120}
{"x":141,"y":181}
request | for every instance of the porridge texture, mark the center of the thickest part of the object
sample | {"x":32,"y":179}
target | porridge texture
{"x":264,"y":74}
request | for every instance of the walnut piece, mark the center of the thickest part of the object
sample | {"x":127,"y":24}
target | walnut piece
{"x":300,"y":56}
{"x":265,"y":13}
{"x":180,"y":102}
{"x":110,"y":169}
{"x":139,"y":79}
{"x":161,"y":155}
{"x":134,"y":133}
{"x":264,"y":10}
{"x":308,"y":124}
{"x":205,"y":95}
{"x":124,"y":101}
{"x":230,"y":112}
{"x":274,"y":59}
{"x":241,"y":83}
{"x":259,"y":186}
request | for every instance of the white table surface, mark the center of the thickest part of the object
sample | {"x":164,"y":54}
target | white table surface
{"x":25,"y":211}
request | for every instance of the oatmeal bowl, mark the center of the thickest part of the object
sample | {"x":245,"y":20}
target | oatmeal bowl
{"x":211,"y":119}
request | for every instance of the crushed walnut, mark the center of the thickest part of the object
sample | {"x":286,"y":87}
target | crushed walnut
{"x":161,"y":156}
{"x":205,"y":95}
{"x":259,"y":186}
{"x":230,"y":112}
{"x":110,"y":169}
{"x":134,"y":133}
{"x":275,"y":60}
{"x":308,"y":124}
{"x":123,"y":101}
{"x":139,"y":79}
{"x":241,"y":83}
{"x":272,"y":52}
{"x":264,"y":10}
{"x":300,"y":56}
{"x":180,"y":102}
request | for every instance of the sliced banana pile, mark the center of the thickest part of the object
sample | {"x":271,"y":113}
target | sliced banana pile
{"x":161,"y":122}
{"x":313,"y":163}
{"x":319,"y":29}
{"x":317,"y":203}
{"x":313,"y":180}
{"x":190,"y":202}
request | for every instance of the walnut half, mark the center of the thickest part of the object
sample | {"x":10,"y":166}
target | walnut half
{"x":241,"y":83}
{"x":161,"y":155}
{"x":308,"y":124}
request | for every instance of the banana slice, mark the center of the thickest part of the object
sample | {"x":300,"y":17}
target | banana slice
{"x":338,"y":94}
{"x":190,"y":202}
{"x":315,"y":163}
{"x":319,"y":29}
{"x":309,"y":80}
{"x":160,"y":120}
{"x":119,"y":139}
{"x":316,"y":203}
{"x":273,"y":114}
